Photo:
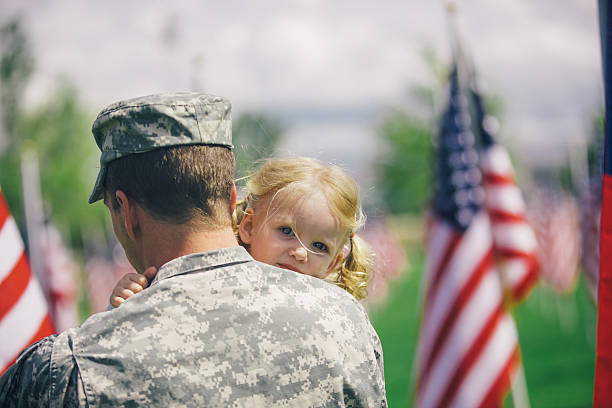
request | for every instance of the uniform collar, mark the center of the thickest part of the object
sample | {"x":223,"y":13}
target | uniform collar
{"x":202,"y":261}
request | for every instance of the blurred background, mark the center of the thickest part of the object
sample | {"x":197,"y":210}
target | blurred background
{"x":357,"y":84}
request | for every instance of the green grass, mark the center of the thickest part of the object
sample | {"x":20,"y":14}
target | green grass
{"x":396,"y":322}
{"x":557,"y":337}
{"x":556,"y":333}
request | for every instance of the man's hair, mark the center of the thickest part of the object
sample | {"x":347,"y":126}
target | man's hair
{"x":178,"y":184}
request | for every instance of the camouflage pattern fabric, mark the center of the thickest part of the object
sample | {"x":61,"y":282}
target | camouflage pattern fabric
{"x":213,"y":329}
{"x":142,"y":124}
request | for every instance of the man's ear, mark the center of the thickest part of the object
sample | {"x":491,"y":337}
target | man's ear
{"x":129,"y":212}
{"x":233,"y":199}
{"x":245,"y":229}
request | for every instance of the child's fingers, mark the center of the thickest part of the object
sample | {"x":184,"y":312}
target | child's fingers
{"x":116,"y":301}
{"x":149,"y":273}
{"x":125,"y":293}
{"x":127,"y":286}
{"x":132,"y":287}
{"x":130,"y":284}
{"x":135,"y":279}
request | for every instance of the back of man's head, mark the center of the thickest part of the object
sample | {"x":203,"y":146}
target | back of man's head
{"x":170,"y":153}
{"x":178,"y":184}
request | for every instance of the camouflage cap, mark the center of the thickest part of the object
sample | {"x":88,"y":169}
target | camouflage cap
{"x":149,"y":122}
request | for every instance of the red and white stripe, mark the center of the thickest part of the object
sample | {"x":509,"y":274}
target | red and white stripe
{"x":24,"y":316}
{"x":468,"y":347}
{"x":513,"y":238}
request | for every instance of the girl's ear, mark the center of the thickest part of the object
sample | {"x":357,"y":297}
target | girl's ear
{"x":246,"y":227}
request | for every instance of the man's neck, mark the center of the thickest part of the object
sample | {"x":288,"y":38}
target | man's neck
{"x":165,"y":243}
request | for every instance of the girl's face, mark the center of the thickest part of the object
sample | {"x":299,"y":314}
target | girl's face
{"x":304,"y":238}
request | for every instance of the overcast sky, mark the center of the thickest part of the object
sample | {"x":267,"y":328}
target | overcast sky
{"x":327,"y":68}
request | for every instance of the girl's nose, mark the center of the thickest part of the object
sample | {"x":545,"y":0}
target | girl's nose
{"x":299,"y":254}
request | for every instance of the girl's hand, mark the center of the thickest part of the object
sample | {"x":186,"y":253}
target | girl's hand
{"x":130,"y":284}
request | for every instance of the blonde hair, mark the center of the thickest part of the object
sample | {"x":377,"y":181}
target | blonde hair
{"x":342,"y":193}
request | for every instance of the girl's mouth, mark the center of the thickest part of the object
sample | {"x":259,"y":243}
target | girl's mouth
{"x":291,"y":268}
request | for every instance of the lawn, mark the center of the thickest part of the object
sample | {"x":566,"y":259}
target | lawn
{"x":557,"y":337}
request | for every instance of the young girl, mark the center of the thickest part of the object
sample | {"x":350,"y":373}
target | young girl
{"x":299,"y":214}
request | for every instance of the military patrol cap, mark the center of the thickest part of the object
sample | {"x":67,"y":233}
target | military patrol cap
{"x":143,"y":124}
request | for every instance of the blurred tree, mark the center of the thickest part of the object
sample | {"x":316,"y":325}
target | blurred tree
{"x":255,"y":137}
{"x":59,"y":131}
{"x":16,"y":64}
{"x":404,"y":171}
{"x":595,"y":148}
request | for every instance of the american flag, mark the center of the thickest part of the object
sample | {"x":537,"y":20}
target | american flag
{"x":514,"y":240}
{"x":468,"y":348}
{"x":24,"y":315}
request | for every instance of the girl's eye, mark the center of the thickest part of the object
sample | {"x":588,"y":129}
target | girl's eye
{"x":320,"y":246}
{"x":286,"y":230}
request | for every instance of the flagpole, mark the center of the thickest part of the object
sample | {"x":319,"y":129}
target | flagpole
{"x":451,"y":17}
{"x":458,"y":53}
{"x":519,"y":389}
{"x":34,"y":215}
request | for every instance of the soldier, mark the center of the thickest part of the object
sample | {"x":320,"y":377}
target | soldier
{"x":215,"y":327}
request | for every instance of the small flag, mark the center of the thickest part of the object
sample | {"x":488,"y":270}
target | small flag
{"x":24,"y":315}
{"x":555,"y":218}
{"x":590,"y":217}
{"x":468,"y":349}
{"x":389,"y":258}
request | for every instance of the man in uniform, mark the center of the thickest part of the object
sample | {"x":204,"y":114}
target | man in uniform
{"x":215,"y":327}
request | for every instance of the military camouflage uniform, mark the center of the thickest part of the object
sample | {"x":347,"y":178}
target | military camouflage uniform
{"x":213,"y":329}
